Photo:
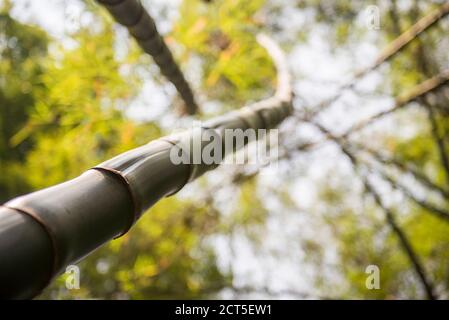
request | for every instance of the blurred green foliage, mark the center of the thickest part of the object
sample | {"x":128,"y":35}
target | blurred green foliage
{"x":64,"y":110}
{"x":22,"y":50}
{"x":222,"y":33}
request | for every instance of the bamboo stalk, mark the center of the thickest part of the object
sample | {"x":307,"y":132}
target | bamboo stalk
{"x":132,"y":14}
{"x":42,"y":232}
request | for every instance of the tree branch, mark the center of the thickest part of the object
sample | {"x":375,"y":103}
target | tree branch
{"x":438,"y":138}
{"x":56,"y":226}
{"x":417,"y":92}
{"x":396,"y":46}
{"x":406,"y":168}
{"x":403,"y":240}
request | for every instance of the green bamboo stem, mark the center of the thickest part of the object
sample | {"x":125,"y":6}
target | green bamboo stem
{"x":131,"y":14}
{"x":43,"y":232}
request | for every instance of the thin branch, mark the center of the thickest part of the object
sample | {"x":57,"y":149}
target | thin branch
{"x":397,"y":45}
{"x":414,"y":94}
{"x":417,"y":92}
{"x":404,"y":241}
{"x":408,"y":36}
{"x":284,"y":82}
{"x":438,"y":212}
{"x":438,"y":138}
{"x":383,"y":159}
{"x":406,"y":168}
{"x":425,"y":64}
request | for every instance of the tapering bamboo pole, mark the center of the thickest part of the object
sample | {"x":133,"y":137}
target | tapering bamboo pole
{"x":131,"y":14}
{"x":42,"y":232}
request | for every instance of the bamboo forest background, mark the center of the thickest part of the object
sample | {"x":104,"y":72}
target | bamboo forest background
{"x":75,"y":90}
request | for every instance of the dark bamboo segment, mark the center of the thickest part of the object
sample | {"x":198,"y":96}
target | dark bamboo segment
{"x":57,"y":226}
{"x":42,"y":232}
{"x":26,"y":251}
{"x":131,"y":14}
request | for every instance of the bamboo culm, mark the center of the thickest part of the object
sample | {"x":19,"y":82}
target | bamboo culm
{"x":132,"y":14}
{"x":43,"y":232}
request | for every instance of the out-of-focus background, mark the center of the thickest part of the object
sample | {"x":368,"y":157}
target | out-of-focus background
{"x":75,"y":89}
